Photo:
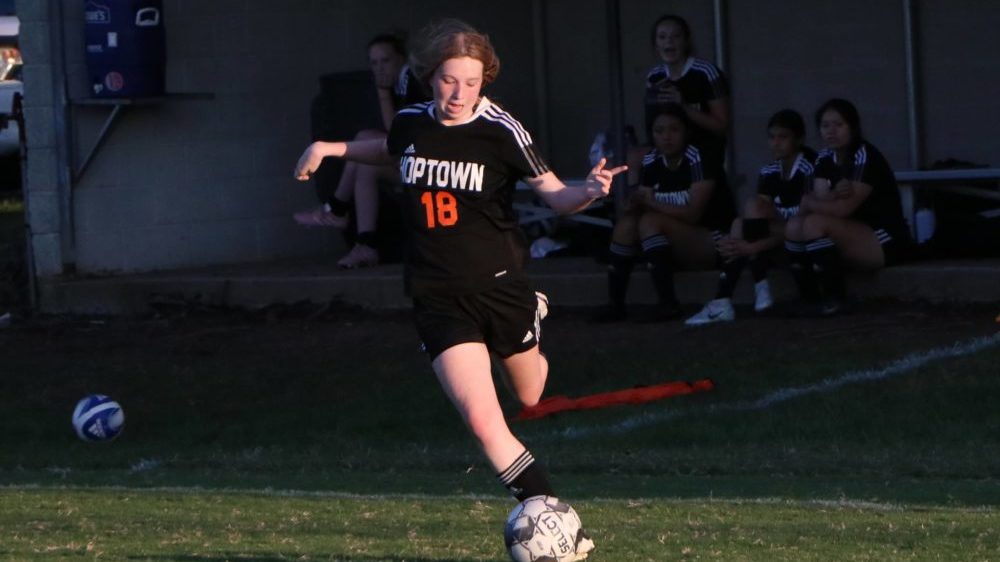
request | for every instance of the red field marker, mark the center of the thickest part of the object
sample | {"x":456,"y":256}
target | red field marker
{"x":638,"y":395}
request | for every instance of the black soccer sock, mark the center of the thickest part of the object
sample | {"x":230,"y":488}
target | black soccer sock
{"x":369,"y":239}
{"x":338,"y":207}
{"x":525,"y":478}
{"x":622,"y":260}
{"x":754,"y":230}
{"x":828,"y":267}
{"x":730,"y":276}
{"x":802,"y":270}
{"x":656,"y":253}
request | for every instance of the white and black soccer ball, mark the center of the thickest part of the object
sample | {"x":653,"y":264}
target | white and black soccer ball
{"x":98,"y":418}
{"x":542,"y":529}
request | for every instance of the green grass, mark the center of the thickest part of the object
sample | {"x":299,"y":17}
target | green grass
{"x":214,"y":526}
{"x":346,"y":411}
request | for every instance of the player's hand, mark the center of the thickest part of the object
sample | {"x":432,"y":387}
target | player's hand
{"x":598,"y":183}
{"x":729,"y":247}
{"x":308,"y":162}
{"x":843,"y":190}
{"x":670,"y":94}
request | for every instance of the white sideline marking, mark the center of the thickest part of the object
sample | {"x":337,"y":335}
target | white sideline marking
{"x":327,"y":494}
{"x":900,"y":366}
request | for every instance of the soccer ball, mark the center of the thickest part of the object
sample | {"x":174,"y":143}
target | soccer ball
{"x":98,"y":418}
{"x":542,"y":529}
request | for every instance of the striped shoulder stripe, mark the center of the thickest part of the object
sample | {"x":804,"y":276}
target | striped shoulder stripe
{"x":826,"y":153}
{"x":403,"y":82}
{"x":415,"y":108}
{"x":694,"y":158}
{"x":693,"y":154}
{"x":649,"y":159}
{"x":521,"y":137}
{"x":497,"y":115}
{"x":861,"y":156}
{"x":655,"y":70}
{"x":860,"y":161}
{"x":706,"y":68}
{"x":773,"y":168}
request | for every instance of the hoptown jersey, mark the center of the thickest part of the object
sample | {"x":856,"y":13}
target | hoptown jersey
{"x":671,"y":186}
{"x":882,"y":208}
{"x":458,"y":184}
{"x":786,"y":193}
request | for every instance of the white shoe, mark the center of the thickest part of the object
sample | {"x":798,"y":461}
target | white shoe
{"x":541,"y":311}
{"x":718,"y":310}
{"x":762,"y":299}
{"x":584,"y":545}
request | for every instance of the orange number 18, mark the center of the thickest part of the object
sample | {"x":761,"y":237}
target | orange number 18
{"x":440,"y":207}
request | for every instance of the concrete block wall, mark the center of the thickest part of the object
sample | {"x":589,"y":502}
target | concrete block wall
{"x":784,"y":53}
{"x":194,"y":182}
{"x":43,"y":198}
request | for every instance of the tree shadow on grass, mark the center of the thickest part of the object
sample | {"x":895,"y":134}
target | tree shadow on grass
{"x":274,"y":557}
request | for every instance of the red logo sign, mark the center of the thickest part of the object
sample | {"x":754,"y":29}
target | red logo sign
{"x":114,"y":81}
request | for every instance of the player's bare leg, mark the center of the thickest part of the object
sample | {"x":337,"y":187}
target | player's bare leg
{"x":526,"y":375}
{"x":464,"y":373}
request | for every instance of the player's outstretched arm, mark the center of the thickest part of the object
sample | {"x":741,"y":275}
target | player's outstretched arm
{"x":370,"y":151}
{"x":566,"y":199}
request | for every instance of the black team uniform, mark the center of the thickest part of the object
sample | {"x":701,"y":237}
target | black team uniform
{"x":466,"y":255}
{"x":816,"y":263}
{"x":699,"y":83}
{"x":670,"y":186}
{"x":785,"y":192}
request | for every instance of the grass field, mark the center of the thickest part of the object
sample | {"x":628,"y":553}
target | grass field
{"x":280,"y":434}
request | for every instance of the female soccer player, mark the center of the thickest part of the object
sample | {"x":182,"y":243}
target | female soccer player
{"x":675,"y":217}
{"x":853,"y":215}
{"x":695,"y":84}
{"x":460,"y":157}
{"x":752,"y":239}
{"x":396,"y":88}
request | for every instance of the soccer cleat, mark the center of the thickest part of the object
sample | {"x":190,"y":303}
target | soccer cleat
{"x":762,"y":299}
{"x":320,"y":216}
{"x":584,"y":544}
{"x":359,"y":256}
{"x":718,"y":310}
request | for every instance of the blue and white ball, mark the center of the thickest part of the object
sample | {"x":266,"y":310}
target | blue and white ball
{"x":98,"y":418}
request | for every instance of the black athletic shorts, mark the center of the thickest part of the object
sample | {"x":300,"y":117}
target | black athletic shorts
{"x":503,"y":318}
{"x":895,"y":249}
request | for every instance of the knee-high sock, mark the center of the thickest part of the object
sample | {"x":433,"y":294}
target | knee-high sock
{"x":802,"y":271}
{"x":828,"y":267}
{"x":730,"y":276}
{"x":656,"y":253}
{"x":525,"y":478}
{"x":754,"y":230}
{"x":622,"y":261}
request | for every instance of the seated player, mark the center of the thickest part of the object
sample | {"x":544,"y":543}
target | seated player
{"x":852,"y":217}
{"x":672,"y":220}
{"x":754,"y":238}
